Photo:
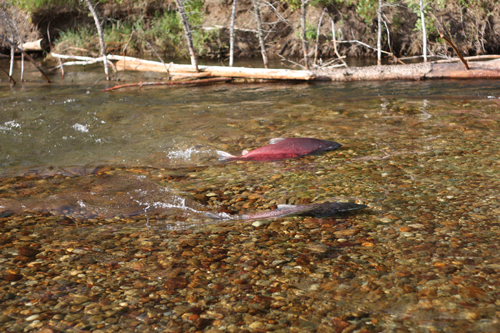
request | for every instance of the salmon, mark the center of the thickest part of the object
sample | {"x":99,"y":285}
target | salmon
{"x":317,"y":210}
{"x":282,"y":148}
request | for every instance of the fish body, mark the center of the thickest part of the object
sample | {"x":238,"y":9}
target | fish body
{"x":317,"y":210}
{"x":280,"y":212}
{"x":283,"y":148}
{"x":331,"y":208}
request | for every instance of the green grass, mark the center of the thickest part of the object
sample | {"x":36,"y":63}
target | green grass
{"x":32,"y":5}
{"x":164,"y":32}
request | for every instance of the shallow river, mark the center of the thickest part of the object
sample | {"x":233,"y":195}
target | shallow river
{"x":424,"y":157}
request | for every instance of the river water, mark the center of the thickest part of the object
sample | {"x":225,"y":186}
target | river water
{"x":71,"y":128}
{"x":423,"y":156}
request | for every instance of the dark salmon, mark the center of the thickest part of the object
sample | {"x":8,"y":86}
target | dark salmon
{"x":283,"y":148}
{"x":317,"y":210}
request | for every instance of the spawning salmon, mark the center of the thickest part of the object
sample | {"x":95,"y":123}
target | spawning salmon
{"x":317,"y":210}
{"x":283,"y":148}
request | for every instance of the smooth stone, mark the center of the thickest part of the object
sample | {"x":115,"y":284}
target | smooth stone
{"x":4,"y":319}
{"x":33,"y":317}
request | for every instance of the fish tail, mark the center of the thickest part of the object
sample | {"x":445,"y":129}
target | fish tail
{"x":223,"y":156}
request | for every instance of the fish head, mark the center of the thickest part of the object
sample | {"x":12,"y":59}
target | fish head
{"x":329,"y":145}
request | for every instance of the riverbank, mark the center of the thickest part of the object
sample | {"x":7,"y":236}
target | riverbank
{"x":474,"y":29}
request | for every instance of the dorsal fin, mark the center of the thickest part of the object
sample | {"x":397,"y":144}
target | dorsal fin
{"x":244,"y":152}
{"x":276,"y":140}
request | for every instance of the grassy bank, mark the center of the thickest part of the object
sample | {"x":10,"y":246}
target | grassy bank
{"x":139,"y":26}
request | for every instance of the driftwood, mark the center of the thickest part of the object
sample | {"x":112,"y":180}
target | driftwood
{"x":422,"y":71}
{"x":33,"y":46}
{"x":478,"y":57}
{"x":215,"y":71}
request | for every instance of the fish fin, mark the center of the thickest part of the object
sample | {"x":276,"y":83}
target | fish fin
{"x":244,"y":152}
{"x":284,"y":206}
{"x":225,"y":156}
{"x":276,"y":140}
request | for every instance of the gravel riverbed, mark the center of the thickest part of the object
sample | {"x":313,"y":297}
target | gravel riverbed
{"x":423,"y":257}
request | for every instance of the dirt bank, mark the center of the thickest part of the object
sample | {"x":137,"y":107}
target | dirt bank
{"x":474,"y":28}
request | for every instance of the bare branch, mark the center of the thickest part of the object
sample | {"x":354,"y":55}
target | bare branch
{"x":335,"y":43}
{"x":101,"y":37}
{"x":317,"y":36}
{"x":187,"y":33}
{"x":26,"y":55}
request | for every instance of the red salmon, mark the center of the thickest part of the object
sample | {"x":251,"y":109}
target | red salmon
{"x":282,"y":148}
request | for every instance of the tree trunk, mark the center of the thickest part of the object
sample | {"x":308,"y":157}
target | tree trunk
{"x":231,"y":35}
{"x":187,"y":33}
{"x":101,"y":37}
{"x":261,"y":34}
{"x":303,"y":6}
{"x":379,"y":37}
{"x":12,"y":54}
{"x":424,"y":31}
{"x":317,"y":36}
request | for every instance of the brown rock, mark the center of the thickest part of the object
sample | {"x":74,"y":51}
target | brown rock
{"x":347,"y":232}
{"x":177,"y":282}
{"x":339,"y":325}
{"x":439,"y":264}
{"x":46,"y":330}
{"x":408,"y":289}
{"x":79,"y":299}
{"x":28,"y":252}
{"x":203,"y":323}
{"x":12,"y":277}
{"x":194,"y":317}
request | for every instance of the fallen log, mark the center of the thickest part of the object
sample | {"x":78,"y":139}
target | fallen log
{"x":33,"y":46}
{"x":422,"y":71}
{"x":214,"y":71}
